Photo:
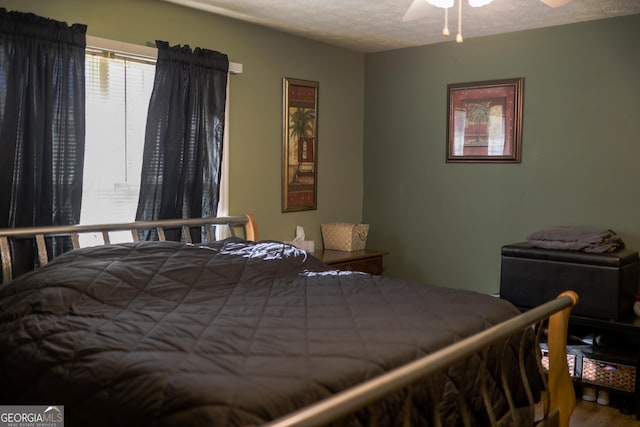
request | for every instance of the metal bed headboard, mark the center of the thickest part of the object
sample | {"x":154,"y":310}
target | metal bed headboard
{"x":40,"y":234}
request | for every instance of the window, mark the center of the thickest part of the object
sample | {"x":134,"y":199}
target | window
{"x":119,"y":80}
{"x":118,"y":89}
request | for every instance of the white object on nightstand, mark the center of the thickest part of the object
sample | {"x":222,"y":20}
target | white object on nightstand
{"x":300,"y":242}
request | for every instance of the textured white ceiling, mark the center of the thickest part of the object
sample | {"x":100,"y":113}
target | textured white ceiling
{"x":377,"y":25}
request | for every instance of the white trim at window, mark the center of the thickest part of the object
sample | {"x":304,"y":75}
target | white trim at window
{"x":141,"y":52}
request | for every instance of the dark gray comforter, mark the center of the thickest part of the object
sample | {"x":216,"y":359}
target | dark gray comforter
{"x":166,"y":334}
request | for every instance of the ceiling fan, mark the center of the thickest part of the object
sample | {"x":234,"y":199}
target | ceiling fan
{"x":420,"y":8}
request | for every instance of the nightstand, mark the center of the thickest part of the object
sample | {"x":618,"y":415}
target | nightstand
{"x":367,"y":261}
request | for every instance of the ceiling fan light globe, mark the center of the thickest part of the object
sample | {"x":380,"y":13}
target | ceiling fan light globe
{"x":441,"y":3}
{"x":555,"y":3}
{"x":479,"y":3}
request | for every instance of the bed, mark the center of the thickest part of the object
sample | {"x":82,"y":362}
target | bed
{"x":241,"y":332}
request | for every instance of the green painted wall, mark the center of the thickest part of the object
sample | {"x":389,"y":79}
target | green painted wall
{"x":445,"y":223}
{"x":255,"y":103}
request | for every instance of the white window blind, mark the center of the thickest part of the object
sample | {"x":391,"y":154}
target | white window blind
{"x":117,"y":99}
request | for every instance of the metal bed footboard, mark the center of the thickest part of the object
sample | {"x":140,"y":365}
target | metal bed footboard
{"x":184,"y":226}
{"x":559,"y":400}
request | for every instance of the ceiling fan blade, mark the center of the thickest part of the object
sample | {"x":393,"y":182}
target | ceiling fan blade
{"x":418,"y":9}
{"x":555,"y":3}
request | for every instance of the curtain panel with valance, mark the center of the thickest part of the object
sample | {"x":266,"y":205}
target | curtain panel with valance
{"x":182,"y":157}
{"x":42,"y":122}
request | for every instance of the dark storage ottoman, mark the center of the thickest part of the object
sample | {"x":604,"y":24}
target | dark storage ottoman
{"x":606,"y":283}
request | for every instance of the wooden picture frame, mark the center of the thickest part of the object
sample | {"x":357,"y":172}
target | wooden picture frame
{"x":484,"y":121}
{"x":300,"y":145}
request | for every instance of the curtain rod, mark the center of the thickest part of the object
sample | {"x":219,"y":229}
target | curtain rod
{"x":139,"y":51}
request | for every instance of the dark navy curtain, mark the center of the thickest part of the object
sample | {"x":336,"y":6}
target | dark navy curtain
{"x":182,"y":157}
{"x":41,"y":120}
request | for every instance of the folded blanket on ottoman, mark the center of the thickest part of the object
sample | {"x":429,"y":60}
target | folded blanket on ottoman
{"x":572,"y":238}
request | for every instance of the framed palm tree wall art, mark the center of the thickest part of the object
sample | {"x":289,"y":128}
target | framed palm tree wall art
{"x":484,"y":121}
{"x":300,"y":145}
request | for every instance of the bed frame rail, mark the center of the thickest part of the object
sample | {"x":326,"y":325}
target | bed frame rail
{"x":7,"y":235}
{"x":558,"y":401}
